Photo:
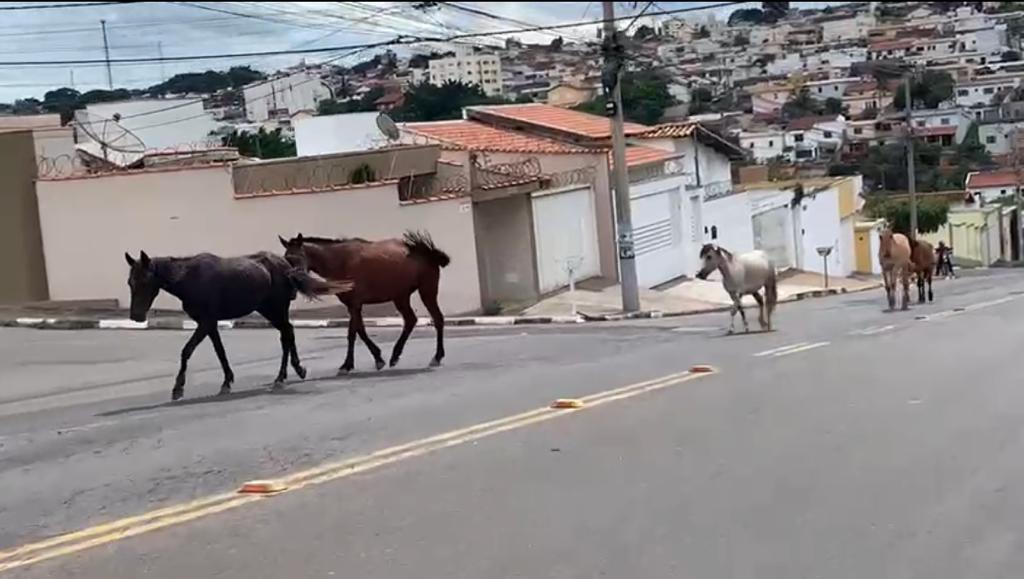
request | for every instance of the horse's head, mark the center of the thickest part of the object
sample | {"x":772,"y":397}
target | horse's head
{"x":712,"y":257}
{"x":295,"y":252}
{"x":144,"y":285}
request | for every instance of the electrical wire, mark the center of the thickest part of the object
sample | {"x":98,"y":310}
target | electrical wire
{"x":51,"y":6}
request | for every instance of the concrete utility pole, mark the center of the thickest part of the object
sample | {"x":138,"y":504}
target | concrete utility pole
{"x":911,"y":174}
{"x":611,"y":77}
{"x":1019,"y":233}
{"x":106,"y":52}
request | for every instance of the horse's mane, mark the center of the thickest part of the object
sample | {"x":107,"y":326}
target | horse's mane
{"x":314,"y":239}
{"x":725,"y":252}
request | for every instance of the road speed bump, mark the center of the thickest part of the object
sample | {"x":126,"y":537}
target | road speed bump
{"x":262,"y":487}
{"x":567,"y":403}
{"x":702,"y":369}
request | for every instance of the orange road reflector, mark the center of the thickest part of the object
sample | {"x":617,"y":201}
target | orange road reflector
{"x":262,"y":487}
{"x":702,"y":369}
{"x":567,"y":403}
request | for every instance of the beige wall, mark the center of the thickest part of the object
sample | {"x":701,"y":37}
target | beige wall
{"x":89,"y":223}
{"x":603,"y":207}
{"x":569,"y":96}
{"x":335,"y":170}
{"x":21,"y":253}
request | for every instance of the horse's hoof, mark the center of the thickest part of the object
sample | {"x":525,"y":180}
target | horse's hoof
{"x":435,"y":363}
{"x":301,"y":372}
{"x":380,"y":365}
{"x":224,"y":391}
{"x":177,"y":393}
{"x":393,"y":363}
{"x":278,"y":385}
{"x":343,"y":371}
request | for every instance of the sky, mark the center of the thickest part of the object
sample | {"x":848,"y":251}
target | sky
{"x":149,"y":29}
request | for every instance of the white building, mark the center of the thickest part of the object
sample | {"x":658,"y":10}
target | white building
{"x":328,"y":134}
{"x":981,"y":91}
{"x":158,"y":123}
{"x":942,"y":125}
{"x":991,"y":185}
{"x":813,"y":138}
{"x":831,"y":88}
{"x":763,"y":145}
{"x":846,"y":28}
{"x":469,"y":67}
{"x":997,"y":137}
{"x":282,"y":97}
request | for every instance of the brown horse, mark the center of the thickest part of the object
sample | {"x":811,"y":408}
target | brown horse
{"x":894,"y":257}
{"x":382,"y":271}
{"x":922,"y":254}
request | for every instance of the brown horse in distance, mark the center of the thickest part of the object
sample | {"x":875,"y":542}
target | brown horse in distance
{"x":922,"y":254}
{"x":894,"y":255}
{"x":383,"y":271}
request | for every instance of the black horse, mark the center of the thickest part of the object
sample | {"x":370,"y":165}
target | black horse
{"x":213,"y":288}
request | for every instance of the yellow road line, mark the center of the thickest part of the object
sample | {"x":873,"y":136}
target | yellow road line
{"x":161,"y":518}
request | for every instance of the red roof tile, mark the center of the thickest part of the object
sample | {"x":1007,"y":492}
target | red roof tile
{"x":670,"y":131}
{"x":637,"y":155}
{"x":566,"y":120}
{"x":991,"y":179}
{"x":474,"y":136}
{"x":807,"y":123}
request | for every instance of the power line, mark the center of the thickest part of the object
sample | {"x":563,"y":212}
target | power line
{"x":395,"y":42}
{"x":49,"y":6}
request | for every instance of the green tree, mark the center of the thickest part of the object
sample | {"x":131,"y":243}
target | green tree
{"x":64,"y":101}
{"x":927,"y":90}
{"x":645,"y":97}
{"x":802,"y":104}
{"x":556,"y":44}
{"x":833,"y":106}
{"x":1011,"y":56}
{"x":701,"y":100}
{"x":29,"y":106}
{"x":741,"y":40}
{"x":428,"y":102}
{"x":703,"y":32}
{"x":931,"y":213}
{"x":644,"y":32}
{"x":753,"y":16}
{"x":262,"y":144}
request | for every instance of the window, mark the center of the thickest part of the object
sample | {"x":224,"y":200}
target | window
{"x":921,"y":123}
{"x":1002,"y":191}
{"x":714,"y":232}
{"x":989,"y":90}
{"x":750,"y":145}
{"x":828,"y":134}
{"x":991,"y":139}
{"x":858,"y":131}
{"x":944,"y":121}
{"x":798,"y":138}
{"x":771,"y":143}
{"x":819,"y":89}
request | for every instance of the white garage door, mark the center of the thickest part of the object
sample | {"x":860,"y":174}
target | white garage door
{"x":566,"y":235}
{"x":771,"y":235}
{"x":658,"y":234}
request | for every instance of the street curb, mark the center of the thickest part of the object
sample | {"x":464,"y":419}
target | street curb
{"x":492,"y":321}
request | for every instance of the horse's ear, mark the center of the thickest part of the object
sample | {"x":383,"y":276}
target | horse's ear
{"x":284,"y":243}
{"x":299,"y":238}
{"x":144,"y":259}
{"x":129,"y":259}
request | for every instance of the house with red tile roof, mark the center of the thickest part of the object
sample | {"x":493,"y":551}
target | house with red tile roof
{"x":988,"y":186}
{"x":669,"y":166}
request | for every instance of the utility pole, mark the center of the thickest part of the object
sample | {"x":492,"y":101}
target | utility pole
{"x":611,"y":77}
{"x":106,"y":52}
{"x":911,"y":175}
{"x":1019,"y":233}
{"x":160,"y":53}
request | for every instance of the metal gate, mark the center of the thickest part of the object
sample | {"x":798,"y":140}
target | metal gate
{"x":565,"y":233}
{"x":658,"y":232}
{"x":772,"y":235}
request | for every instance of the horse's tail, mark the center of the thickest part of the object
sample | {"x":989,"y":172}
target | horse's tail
{"x":312,"y":287}
{"x":420,"y":244}
{"x":771,"y":292}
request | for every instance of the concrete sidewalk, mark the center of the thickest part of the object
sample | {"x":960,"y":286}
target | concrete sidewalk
{"x":690,"y":296}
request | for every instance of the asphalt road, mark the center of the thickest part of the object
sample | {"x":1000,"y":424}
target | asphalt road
{"x":848,"y":443}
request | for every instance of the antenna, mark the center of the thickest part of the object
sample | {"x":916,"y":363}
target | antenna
{"x":109,"y":135}
{"x":388,"y":127}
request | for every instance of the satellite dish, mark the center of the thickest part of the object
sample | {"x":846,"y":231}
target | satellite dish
{"x":388,"y":127}
{"x":110,"y":136}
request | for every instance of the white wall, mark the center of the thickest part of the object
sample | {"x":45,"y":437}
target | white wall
{"x":1000,"y":135}
{"x":337,"y":134}
{"x":161,"y":123}
{"x":848,"y":243}
{"x":296,"y":92}
{"x":183,"y":212}
{"x":763,"y":146}
{"x":819,"y":222}
{"x":729,"y":217}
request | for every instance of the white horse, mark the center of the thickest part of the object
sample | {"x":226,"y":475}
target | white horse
{"x":742,"y":275}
